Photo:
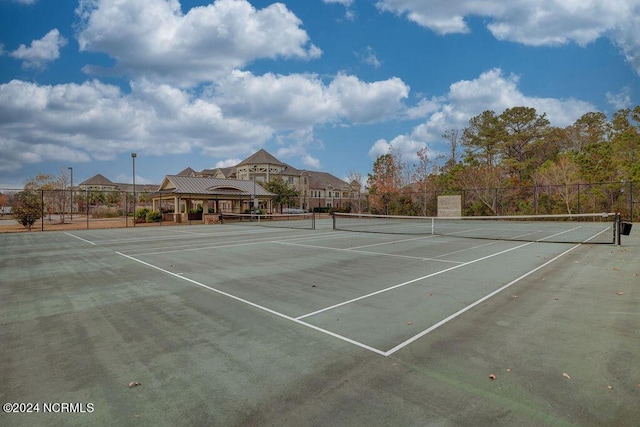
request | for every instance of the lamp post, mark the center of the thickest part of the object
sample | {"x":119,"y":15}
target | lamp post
{"x":133,"y":159}
{"x":71,"y":169}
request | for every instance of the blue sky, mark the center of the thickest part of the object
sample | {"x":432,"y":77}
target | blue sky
{"x":323,"y":85}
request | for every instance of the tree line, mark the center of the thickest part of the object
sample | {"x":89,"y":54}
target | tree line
{"x":540,"y":168}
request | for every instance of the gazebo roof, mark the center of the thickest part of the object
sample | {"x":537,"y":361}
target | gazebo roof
{"x":206,"y":186}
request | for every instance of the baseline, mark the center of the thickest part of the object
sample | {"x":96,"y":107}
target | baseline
{"x":260,"y":307}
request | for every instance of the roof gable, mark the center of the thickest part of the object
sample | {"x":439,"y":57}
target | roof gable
{"x":98,"y":180}
{"x":187,"y":172}
{"x":261,"y":157}
{"x":324,"y":180}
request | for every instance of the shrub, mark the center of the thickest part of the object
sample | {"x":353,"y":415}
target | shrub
{"x":142,"y":213}
{"x":104,"y":212}
{"x":153,"y":216}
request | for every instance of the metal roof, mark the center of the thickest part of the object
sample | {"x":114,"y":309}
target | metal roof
{"x":211,"y":186}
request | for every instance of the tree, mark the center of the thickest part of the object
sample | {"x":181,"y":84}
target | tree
{"x":384,"y":183}
{"x":523,"y":128}
{"x":420,"y":174}
{"x":480,"y":184}
{"x":560,"y":178}
{"x":482,"y":139}
{"x":284,"y":194}
{"x":625,"y":140}
{"x":453,"y":140}
{"x":27,"y":208}
{"x":53,"y":188}
{"x":3,"y":202}
{"x":591,"y":128}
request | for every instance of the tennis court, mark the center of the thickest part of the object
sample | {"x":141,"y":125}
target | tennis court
{"x":236,"y":324}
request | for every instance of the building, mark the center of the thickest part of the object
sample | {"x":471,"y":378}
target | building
{"x":235,"y":189}
{"x":101,"y":183}
{"x":318,"y":190}
{"x":186,"y":197}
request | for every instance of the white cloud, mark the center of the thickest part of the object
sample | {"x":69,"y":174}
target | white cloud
{"x":369,"y":57}
{"x":155,"y":40}
{"x":379,"y":148}
{"x":227,"y":163}
{"x":342,"y":2}
{"x":98,"y":121}
{"x":532,"y":22}
{"x":468,"y":98}
{"x":299,"y":101}
{"x":362,"y":102}
{"x":621,"y":99}
{"x":41,"y":51}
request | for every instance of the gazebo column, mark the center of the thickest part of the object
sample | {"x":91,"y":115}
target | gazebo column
{"x":176,"y":209}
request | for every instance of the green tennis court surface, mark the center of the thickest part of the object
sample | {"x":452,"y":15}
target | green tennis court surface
{"x":231,"y":324}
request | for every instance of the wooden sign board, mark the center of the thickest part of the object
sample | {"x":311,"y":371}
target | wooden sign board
{"x":450,"y":206}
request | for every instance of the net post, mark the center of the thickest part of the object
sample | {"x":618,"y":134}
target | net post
{"x":618,"y":229}
{"x":313,"y":220}
{"x":333,"y":218}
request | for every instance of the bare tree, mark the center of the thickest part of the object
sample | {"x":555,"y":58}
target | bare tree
{"x":53,"y":191}
{"x":453,"y":139}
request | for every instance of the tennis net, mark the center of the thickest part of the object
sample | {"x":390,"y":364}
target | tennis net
{"x":579,"y":228}
{"x":291,"y":220}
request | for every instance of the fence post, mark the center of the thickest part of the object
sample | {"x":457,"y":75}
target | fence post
{"x":86,"y":193}
{"x":631,"y":200}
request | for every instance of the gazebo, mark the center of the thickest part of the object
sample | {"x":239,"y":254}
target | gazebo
{"x":206,"y":197}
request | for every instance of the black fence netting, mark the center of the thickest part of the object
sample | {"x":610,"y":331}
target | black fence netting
{"x":66,"y":209}
{"x":73,"y":209}
{"x":622,"y":197}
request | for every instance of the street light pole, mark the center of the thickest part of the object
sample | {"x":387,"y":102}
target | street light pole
{"x":71,"y":169}
{"x":133,"y":159}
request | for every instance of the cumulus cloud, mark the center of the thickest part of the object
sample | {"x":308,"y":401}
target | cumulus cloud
{"x":492,"y":90}
{"x":154,"y":39}
{"x":300,"y":100}
{"x":42,"y":51}
{"x":530,"y":22}
{"x":94,"y":120}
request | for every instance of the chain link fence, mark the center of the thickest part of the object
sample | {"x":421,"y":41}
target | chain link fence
{"x":80,"y":209}
{"x":622,"y":197}
{"x":86,"y":209}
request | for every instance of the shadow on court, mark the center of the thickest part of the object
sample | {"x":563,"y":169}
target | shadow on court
{"x":230,"y":325}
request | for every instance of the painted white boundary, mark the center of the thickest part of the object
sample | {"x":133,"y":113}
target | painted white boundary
{"x":391,"y":351}
{"x":260,"y":307}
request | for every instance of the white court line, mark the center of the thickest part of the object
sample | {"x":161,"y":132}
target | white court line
{"x":80,"y":238}
{"x":177,"y":237}
{"x":422,"y":278}
{"x":260,"y":307}
{"x":470,"y":306}
{"x":412,"y":281}
{"x":327,"y":248}
{"x":227,"y":244}
{"x":394,"y":242}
